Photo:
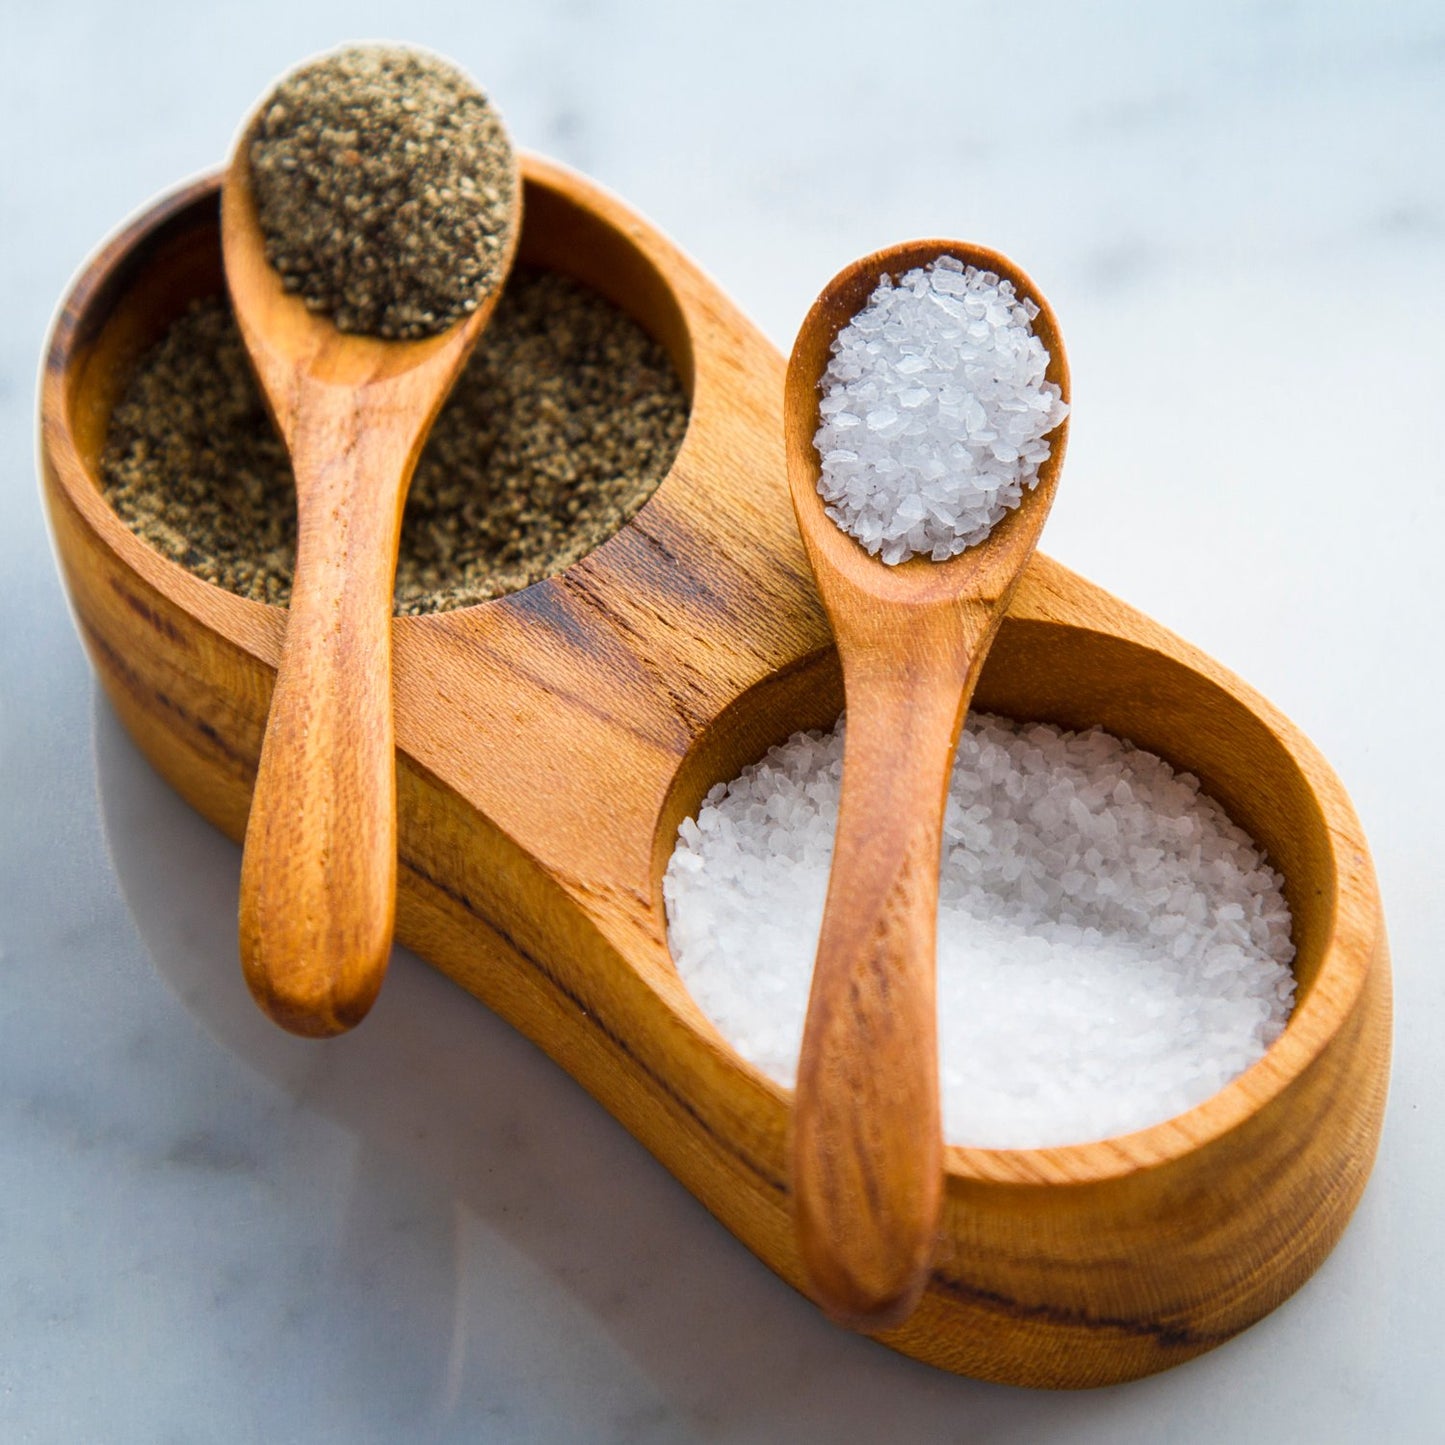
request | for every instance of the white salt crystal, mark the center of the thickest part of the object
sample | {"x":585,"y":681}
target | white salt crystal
{"x":1112,"y":950}
{"x":937,"y":382}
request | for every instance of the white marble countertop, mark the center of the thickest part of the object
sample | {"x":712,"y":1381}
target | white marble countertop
{"x":425,"y":1232}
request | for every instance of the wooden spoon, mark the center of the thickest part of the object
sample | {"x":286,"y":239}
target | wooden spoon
{"x":867,"y":1147}
{"x":318,"y":878}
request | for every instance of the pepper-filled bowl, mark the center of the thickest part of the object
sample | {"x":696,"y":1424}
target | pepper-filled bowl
{"x":550,"y":742}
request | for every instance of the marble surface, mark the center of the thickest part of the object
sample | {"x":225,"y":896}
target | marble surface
{"x":212,"y":1232}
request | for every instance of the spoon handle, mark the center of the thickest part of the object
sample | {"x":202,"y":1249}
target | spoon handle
{"x":867,"y":1151}
{"x":318,"y":876}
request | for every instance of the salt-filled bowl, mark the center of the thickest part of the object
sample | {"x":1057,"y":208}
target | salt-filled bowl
{"x":550,"y":743}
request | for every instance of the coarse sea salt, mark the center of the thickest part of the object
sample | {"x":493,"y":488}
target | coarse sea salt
{"x":934,"y":412}
{"x":1112,"y":950}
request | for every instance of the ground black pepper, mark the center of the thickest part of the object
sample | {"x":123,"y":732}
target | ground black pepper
{"x":563,"y":423}
{"x":384,"y":184}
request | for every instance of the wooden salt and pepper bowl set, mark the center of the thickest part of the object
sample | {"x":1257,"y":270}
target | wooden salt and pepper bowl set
{"x":550,"y":742}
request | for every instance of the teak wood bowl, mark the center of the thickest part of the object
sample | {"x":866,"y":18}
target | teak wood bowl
{"x":551,"y":742}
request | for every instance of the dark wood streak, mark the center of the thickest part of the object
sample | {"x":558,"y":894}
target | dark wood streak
{"x":690,"y":719}
{"x":143,"y":693}
{"x":648,"y":563}
{"x":497,"y":659}
{"x":545,"y":603}
{"x":161,"y":624}
{"x":1172,"y":1337}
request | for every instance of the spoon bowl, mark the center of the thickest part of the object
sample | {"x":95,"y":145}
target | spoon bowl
{"x":318,"y":875}
{"x":912,"y":640}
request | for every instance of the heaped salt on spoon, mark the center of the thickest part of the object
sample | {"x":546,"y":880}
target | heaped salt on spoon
{"x":369,"y":217}
{"x":945,"y":363}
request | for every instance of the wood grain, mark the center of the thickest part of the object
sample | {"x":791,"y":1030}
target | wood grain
{"x":318,"y":880}
{"x":549,"y":744}
{"x":912,"y":640}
